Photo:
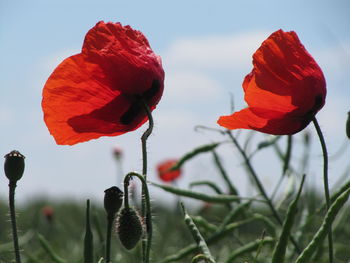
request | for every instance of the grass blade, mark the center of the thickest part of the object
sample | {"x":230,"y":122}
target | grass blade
{"x":281,"y":246}
{"x":248,"y":248}
{"x":323,"y":231}
{"x":88,"y":240}
{"x":48,"y":249}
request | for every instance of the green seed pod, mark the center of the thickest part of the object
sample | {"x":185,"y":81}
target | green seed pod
{"x":14,"y":166}
{"x":348,"y":126}
{"x":113,"y":200}
{"x":129,"y":228}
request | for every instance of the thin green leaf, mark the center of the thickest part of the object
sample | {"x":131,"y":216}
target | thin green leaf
{"x":232,"y":189}
{"x":195,"y":152}
{"x":200,"y":258}
{"x":207,"y":183}
{"x":212,"y":186}
{"x":288,"y":154}
{"x":281,"y":246}
{"x":223,"y":199}
{"x":234,"y":213}
{"x":248,"y":248}
{"x":52,"y":254}
{"x":210,"y":240}
{"x":270,"y":141}
{"x":202,"y":245}
{"x":319,"y":237}
{"x":88,"y":240}
{"x":200,"y":221}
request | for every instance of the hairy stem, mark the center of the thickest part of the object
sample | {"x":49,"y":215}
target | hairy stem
{"x":12,"y":187}
{"x":325,"y":184}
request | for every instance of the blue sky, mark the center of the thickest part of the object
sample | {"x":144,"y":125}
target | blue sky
{"x":206,"y":48}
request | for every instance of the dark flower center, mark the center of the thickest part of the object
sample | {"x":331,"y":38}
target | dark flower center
{"x":137,"y":106}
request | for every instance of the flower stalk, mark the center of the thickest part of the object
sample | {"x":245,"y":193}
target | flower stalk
{"x":325,"y":184}
{"x":260,"y":186}
{"x":12,"y":188}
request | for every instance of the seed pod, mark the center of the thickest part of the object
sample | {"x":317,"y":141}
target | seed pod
{"x":129,"y":228}
{"x":14,"y":166}
{"x":348,"y":126}
{"x":113,"y":200}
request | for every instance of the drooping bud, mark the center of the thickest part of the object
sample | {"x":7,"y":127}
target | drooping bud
{"x":14,"y":166}
{"x":129,"y":228}
{"x":348,"y":126}
{"x":113,"y":200}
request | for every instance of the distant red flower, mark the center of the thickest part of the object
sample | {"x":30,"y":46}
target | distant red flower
{"x":284,"y":91}
{"x":48,"y":213}
{"x":99,"y":91}
{"x":164,"y":172}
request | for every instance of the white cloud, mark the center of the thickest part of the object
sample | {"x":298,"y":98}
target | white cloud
{"x":191,"y":86}
{"x":215,"y":52}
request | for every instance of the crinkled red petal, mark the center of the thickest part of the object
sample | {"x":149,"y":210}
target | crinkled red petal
{"x":275,"y":123}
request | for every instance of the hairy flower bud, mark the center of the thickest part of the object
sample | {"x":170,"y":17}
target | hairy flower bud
{"x":14,"y":165}
{"x":113,"y":200}
{"x":129,"y":228}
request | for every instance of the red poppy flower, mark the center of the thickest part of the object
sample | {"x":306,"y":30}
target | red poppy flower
{"x":100,"y":91}
{"x":284,"y":91}
{"x":164,"y":171}
{"x":48,"y":213}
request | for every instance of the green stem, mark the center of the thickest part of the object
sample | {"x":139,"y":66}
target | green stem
{"x":232,"y":189}
{"x":110,"y":220}
{"x":325,"y":184}
{"x":148,"y":218}
{"x":260,"y":186}
{"x":144,"y":138}
{"x":12,"y":187}
{"x":146,"y":242}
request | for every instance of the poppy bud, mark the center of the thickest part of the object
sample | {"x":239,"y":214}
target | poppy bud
{"x":129,"y":228}
{"x":348,"y":126}
{"x":14,"y":165}
{"x":113,"y":200}
{"x":118,"y":153}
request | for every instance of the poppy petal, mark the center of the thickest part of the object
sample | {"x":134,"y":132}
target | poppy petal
{"x":284,"y":91}
{"x":249,"y":118}
{"x":100,"y":92}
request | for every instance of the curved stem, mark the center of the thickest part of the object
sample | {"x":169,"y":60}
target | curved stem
{"x":146,"y":242}
{"x":325,"y":184}
{"x":144,"y":138}
{"x":260,"y":186}
{"x":12,"y":187}
{"x":147,"y":209}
